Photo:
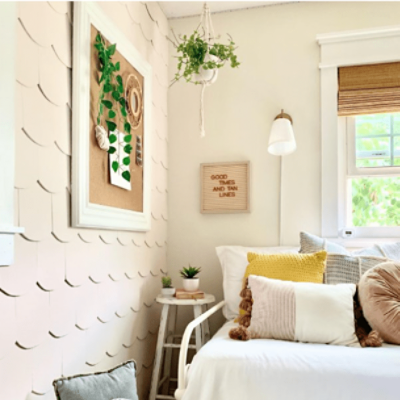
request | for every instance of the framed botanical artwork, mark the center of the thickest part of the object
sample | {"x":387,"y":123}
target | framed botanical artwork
{"x":225,"y":187}
{"x":111,"y":126}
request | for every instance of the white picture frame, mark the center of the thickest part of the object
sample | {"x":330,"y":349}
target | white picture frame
{"x":84,"y":213}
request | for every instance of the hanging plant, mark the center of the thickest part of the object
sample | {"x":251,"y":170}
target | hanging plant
{"x":112,"y":106}
{"x":200,"y":57}
{"x":196,"y":54}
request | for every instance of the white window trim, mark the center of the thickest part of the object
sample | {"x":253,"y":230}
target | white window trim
{"x":8,"y":19}
{"x":359,"y":47}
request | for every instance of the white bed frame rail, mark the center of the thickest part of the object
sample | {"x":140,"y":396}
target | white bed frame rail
{"x":183,"y":367}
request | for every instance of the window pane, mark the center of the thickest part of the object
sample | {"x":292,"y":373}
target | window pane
{"x":375,"y":201}
{"x":376,"y":124}
{"x":373,"y":152}
{"x":373,"y":162}
{"x":396,"y":149}
{"x":396,"y":123}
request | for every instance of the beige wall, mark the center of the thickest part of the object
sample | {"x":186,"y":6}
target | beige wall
{"x":76,"y":300}
{"x":280,"y":56}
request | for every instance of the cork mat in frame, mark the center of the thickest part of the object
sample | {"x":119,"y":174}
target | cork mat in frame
{"x":225,"y":187}
{"x":96,"y":203}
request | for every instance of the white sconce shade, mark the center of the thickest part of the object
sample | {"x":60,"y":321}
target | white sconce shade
{"x":281,"y":138}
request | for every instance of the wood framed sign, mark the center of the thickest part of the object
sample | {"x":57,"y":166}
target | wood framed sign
{"x":225,"y":187}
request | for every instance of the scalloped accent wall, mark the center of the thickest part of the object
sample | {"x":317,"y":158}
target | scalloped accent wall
{"x":76,"y":300}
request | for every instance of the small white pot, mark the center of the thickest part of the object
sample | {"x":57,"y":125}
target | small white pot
{"x":191,"y":285}
{"x":168,"y":292}
{"x":207,"y":75}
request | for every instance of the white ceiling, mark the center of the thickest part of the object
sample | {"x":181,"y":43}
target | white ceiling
{"x":178,"y":9}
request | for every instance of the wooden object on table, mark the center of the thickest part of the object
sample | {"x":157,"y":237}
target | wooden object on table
{"x":183,"y":294}
{"x":225,"y":187}
{"x":167,"y":336}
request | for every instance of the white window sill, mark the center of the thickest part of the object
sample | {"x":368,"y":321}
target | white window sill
{"x":362,"y":242}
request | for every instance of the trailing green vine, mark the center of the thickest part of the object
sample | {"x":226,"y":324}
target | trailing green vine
{"x":112,"y":103}
{"x":192,"y":51}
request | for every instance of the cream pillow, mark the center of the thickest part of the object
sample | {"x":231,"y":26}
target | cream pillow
{"x":303,"y":312}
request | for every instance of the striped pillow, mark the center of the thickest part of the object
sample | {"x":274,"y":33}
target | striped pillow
{"x":343,"y":266}
{"x":302,"y":311}
{"x":348,"y":269}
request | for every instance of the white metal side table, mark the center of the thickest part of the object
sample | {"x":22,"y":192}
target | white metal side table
{"x":166,"y":336}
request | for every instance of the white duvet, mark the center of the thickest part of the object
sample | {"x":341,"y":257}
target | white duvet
{"x":263,"y":369}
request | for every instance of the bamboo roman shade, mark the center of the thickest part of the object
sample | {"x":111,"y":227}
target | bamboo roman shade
{"x":369,"y":89}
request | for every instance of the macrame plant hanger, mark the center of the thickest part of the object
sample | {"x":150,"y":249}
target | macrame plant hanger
{"x":206,"y":24}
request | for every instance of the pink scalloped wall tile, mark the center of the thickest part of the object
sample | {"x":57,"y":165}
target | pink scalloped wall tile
{"x":49,"y":356}
{"x":63,"y":303}
{"x":21,"y":277}
{"x":61,"y":229}
{"x":27,"y":59}
{"x":62,"y":129}
{"x":118,"y":15}
{"x":26,"y":161}
{"x":76,"y":300}
{"x":16,"y":374}
{"x":37,"y":116}
{"x":51,"y":264}
{"x":87,"y":312}
{"x":33,"y":318}
{"x":158,"y":16}
{"x":8,"y":324}
{"x":39,"y":30}
{"x":35,"y":213}
{"x":61,"y":41}
{"x":54,"y":167}
{"x":54,"y":78}
{"x":73,"y":353}
{"x":61,"y":7}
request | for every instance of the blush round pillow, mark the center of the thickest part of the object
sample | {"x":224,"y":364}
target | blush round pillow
{"x":379,"y":294}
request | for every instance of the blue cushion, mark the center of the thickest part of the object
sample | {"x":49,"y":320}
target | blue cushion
{"x":119,"y":382}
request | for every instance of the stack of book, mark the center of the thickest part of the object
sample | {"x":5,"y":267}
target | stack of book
{"x":181,"y":294}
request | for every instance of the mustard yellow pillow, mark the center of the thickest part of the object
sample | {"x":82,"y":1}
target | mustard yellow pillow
{"x":287,"y":267}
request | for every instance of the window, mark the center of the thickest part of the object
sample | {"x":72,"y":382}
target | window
{"x":367,"y":91}
{"x":373,"y":170}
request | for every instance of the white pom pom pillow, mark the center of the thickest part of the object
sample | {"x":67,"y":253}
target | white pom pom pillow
{"x":303,"y":312}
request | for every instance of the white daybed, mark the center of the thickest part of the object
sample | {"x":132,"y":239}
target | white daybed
{"x":261,"y":369}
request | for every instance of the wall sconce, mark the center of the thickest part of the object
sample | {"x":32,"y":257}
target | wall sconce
{"x":281,"y":143}
{"x":281,"y":138}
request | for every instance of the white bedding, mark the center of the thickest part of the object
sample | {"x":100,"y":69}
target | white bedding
{"x":263,"y":369}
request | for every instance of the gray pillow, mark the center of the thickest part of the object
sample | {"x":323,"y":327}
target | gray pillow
{"x":119,"y":382}
{"x":343,"y":266}
{"x":311,"y":244}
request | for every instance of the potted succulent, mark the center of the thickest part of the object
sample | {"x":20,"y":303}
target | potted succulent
{"x":167,"y":289}
{"x":190,"y":282}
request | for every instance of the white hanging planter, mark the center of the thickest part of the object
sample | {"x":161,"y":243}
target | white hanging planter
{"x":207,"y":76}
{"x":190,"y":61}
